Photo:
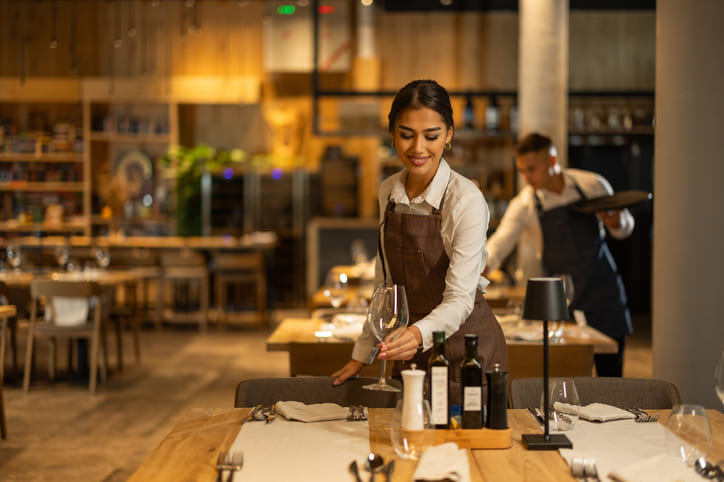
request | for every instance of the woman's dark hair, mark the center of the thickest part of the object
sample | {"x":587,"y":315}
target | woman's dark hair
{"x":421,"y":93}
{"x":533,"y":142}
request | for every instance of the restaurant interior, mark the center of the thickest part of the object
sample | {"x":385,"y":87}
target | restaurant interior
{"x":207,"y":171}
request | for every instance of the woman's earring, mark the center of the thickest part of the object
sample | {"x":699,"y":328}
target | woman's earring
{"x":448,"y":145}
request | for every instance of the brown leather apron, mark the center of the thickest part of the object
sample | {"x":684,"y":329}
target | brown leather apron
{"x":417,"y":260}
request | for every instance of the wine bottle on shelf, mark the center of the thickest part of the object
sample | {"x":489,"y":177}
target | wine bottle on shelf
{"x":471,"y":378}
{"x":469,"y":112}
{"x":492,"y":115}
{"x":439,"y":380}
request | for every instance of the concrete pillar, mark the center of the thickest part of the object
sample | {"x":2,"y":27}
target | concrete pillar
{"x":543,"y":71}
{"x":542,"y":92}
{"x":688,"y":263}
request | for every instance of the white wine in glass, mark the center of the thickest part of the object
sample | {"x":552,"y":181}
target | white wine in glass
{"x":387,"y":312}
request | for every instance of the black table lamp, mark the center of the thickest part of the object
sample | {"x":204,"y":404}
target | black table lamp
{"x":545,"y":300}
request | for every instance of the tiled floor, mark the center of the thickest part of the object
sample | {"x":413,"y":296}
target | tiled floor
{"x":61,"y":432}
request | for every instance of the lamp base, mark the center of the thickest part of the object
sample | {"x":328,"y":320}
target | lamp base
{"x":537,"y":441}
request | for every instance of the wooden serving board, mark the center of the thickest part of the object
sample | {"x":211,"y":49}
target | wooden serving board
{"x":484,"y":438}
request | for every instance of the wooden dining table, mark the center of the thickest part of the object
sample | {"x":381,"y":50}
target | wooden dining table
{"x":313,"y":354}
{"x":190,"y":449}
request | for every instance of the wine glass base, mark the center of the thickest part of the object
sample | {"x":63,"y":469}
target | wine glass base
{"x":385,"y":387}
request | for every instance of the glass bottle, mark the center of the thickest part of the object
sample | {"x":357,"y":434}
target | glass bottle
{"x":439,"y":379}
{"x":471,"y":377}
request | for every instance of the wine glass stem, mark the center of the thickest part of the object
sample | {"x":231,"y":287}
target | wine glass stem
{"x":383,"y":380}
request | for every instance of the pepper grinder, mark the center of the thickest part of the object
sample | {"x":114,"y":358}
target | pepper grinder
{"x":413,"y":414}
{"x":497,"y":386}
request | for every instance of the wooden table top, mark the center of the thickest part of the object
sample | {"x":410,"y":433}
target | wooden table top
{"x":189,"y":451}
{"x":253,"y":241}
{"x":301,"y":330}
{"x":7,"y":311}
{"x":102,"y":277}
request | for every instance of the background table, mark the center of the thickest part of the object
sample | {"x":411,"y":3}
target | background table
{"x":312,"y":356}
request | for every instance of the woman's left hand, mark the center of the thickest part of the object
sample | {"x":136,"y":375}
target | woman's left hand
{"x":401,"y":344}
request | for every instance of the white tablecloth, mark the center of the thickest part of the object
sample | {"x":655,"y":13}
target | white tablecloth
{"x":298,"y":451}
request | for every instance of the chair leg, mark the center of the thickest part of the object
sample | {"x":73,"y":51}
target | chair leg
{"x":52,"y":350}
{"x":29,"y":351}
{"x":3,"y":427}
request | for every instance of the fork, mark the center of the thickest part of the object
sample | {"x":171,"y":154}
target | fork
{"x":642,"y":416}
{"x":231,"y":461}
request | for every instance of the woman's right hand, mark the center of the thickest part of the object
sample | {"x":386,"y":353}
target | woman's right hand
{"x":351,"y":369}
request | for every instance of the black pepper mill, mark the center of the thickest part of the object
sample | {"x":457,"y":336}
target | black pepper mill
{"x":497,"y":398}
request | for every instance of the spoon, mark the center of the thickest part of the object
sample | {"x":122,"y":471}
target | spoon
{"x":706,"y":469}
{"x":354,"y":470}
{"x":374,"y":463}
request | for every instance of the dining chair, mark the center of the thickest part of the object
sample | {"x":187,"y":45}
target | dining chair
{"x":243,"y":275}
{"x":53,"y":326}
{"x":184,"y":287}
{"x":619,"y":392}
{"x":267,"y":391}
{"x":20,"y":298}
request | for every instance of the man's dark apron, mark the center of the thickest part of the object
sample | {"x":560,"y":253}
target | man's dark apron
{"x":572,"y":244}
{"x":417,"y":260}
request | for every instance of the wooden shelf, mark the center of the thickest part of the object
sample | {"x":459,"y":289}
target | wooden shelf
{"x":14,"y":227}
{"x":45,"y":157}
{"x":164,"y":138}
{"x":41,"y":186}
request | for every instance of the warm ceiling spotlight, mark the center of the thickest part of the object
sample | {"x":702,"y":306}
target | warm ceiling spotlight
{"x":446,"y":3}
{"x":367,"y":3}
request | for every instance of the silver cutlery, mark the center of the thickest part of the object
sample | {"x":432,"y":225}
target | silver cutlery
{"x":537,"y":416}
{"x":584,"y":468}
{"x":706,"y":469}
{"x":231,"y":461}
{"x":355,"y":470}
{"x":389,"y":468}
{"x":642,"y":416}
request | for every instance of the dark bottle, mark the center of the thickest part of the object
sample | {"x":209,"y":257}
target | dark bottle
{"x":469,"y":112}
{"x":497,"y":416}
{"x":471,"y":378}
{"x":438,"y":374}
{"x":492,"y":115}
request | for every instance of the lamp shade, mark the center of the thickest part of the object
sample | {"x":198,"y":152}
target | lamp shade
{"x":545,"y":299}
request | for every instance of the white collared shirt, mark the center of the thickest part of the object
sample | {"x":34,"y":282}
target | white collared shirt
{"x":521,"y":217}
{"x":464,"y":228}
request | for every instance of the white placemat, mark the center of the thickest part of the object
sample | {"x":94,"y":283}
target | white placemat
{"x":284,"y":450}
{"x":617,"y":445}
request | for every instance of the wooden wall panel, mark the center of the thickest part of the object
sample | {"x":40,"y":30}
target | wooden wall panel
{"x":609,"y":50}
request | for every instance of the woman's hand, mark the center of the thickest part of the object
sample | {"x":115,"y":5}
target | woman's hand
{"x":401,"y":344}
{"x":351,"y":369}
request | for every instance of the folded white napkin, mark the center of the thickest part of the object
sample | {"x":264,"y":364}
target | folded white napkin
{"x":443,"y":462}
{"x":659,"y":468}
{"x":69,"y":311}
{"x":315,"y":412}
{"x":595,"y":412}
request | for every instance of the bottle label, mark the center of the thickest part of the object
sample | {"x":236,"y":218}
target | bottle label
{"x":438,"y":394}
{"x":472,"y":399}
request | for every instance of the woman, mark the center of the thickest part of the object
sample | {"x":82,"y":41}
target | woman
{"x":432,"y":241}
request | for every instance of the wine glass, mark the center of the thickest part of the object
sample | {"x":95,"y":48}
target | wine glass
{"x":103,"y":258}
{"x":387,"y":312}
{"x":410,"y":444}
{"x":335,"y":288}
{"x":12,"y":253}
{"x":719,"y":376}
{"x":554,"y":334}
{"x":564,"y":404}
{"x":62,"y":256}
{"x":688,"y":433}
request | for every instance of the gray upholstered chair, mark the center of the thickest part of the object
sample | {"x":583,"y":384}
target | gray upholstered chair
{"x":267,"y":391}
{"x":619,"y":392}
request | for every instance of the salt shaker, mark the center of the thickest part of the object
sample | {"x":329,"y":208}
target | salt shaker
{"x":413,"y":414}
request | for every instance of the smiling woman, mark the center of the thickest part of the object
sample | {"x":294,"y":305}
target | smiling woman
{"x":432,"y":241}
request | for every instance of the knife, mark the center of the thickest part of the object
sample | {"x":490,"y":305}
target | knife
{"x":537,"y":416}
{"x":355,"y":471}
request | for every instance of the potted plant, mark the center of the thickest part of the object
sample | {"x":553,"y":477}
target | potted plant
{"x":187,"y":165}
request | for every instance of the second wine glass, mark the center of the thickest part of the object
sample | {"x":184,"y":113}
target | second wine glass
{"x":387,"y":312}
